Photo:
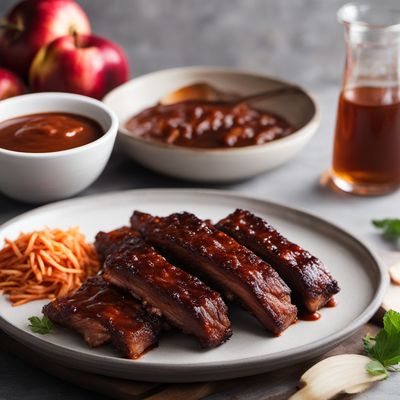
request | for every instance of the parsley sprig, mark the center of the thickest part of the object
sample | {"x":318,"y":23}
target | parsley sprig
{"x":390,"y":226}
{"x":40,"y":325}
{"x":384,"y":348}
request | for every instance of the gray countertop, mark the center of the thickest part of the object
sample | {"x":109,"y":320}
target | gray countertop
{"x":298,"y":40}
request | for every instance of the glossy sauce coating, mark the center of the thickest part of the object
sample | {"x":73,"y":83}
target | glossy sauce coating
{"x":182,"y":299}
{"x":108,"y":242}
{"x":101,"y":313}
{"x":231,"y":266}
{"x":305,"y":274}
{"x":48,"y":132}
{"x":208,"y":124}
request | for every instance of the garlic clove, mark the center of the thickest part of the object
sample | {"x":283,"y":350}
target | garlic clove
{"x":358,"y":388}
{"x":334,"y":375}
{"x":394,"y":272}
{"x":391,"y":300}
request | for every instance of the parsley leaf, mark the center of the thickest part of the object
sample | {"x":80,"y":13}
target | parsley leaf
{"x":40,"y":325}
{"x":374,"y":367}
{"x":387,"y":342}
{"x":369,"y":342}
{"x":391,"y":228}
{"x":384,"y":348}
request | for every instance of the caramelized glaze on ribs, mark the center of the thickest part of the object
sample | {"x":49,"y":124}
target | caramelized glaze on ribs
{"x":305,"y":274}
{"x":166,"y":290}
{"x":233,"y":268}
{"x":107,"y":242}
{"x":101,"y":314}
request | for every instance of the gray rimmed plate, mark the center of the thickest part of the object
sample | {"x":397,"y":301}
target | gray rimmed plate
{"x":178,"y":358}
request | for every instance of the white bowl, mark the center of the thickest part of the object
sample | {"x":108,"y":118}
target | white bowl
{"x":45,"y":177}
{"x":212,"y":165}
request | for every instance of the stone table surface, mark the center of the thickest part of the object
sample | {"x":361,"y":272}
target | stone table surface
{"x":296,"y":39}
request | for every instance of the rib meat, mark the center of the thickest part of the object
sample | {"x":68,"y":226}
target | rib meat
{"x":166,"y":290}
{"x":107,"y":242}
{"x":101,"y":313}
{"x":305,"y":274}
{"x":233,"y":268}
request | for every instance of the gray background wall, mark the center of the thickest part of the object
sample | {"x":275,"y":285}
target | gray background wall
{"x":294,"y":39}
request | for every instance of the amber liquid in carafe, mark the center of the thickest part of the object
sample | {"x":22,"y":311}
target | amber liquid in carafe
{"x":367,"y":139}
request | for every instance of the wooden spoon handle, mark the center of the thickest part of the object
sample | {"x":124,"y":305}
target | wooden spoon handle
{"x":269,"y":93}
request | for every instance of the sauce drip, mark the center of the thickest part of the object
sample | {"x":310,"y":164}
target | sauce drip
{"x":309,"y":317}
{"x":331,"y":303}
{"x":48,"y":132}
{"x":208,"y":124}
{"x":367,"y":140}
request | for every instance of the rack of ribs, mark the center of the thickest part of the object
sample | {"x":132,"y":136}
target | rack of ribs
{"x":305,"y":274}
{"x":233,"y":269}
{"x":101,"y":313}
{"x":182,"y":299}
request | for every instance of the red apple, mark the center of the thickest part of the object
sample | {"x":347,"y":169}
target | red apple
{"x":84,"y":64}
{"x":10,"y":84}
{"x":32,"y":24}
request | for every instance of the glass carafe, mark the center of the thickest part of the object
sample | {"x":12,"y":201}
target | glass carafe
{"x":366,"y":157}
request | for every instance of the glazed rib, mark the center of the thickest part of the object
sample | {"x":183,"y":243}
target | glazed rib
{"x":107,"y":242}
{"x":166,"y":290}
{"x":231,"y":267}
{"x":305,"y":274}
{"x":100,"y":314}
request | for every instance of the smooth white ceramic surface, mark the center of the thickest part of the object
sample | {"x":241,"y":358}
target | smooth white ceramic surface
{"x":251,"y":349}
{"x":44,"y":177}
{"x":212,"y":165}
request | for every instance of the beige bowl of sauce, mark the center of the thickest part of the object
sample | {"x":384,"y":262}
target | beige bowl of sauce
{"x":221,"y":164}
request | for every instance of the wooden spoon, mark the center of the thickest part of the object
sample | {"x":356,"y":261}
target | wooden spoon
{"x":204,"y":91}
{"x":197,"y":91}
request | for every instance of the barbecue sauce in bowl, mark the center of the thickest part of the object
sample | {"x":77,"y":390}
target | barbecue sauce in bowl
{"x":208,"y":124}
{"x":48,"y":132}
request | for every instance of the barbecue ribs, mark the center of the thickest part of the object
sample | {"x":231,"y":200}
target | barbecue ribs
{"x":183,"y":300}
{"x":235,"y":270}
{"x":101,"y":313}
{"x":305,"y":274}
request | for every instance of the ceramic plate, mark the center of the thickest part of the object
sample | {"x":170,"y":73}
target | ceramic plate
{"x":251,"y":349}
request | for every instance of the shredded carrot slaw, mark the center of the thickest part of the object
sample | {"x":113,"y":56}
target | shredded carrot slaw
{"x":45,"y":264}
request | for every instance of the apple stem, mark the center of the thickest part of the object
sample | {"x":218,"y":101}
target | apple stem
{"x":76,"y":38}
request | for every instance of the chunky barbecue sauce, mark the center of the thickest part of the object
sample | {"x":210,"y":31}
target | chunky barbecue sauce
{"x":48,"y":132}
{"x":208,"y":124}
